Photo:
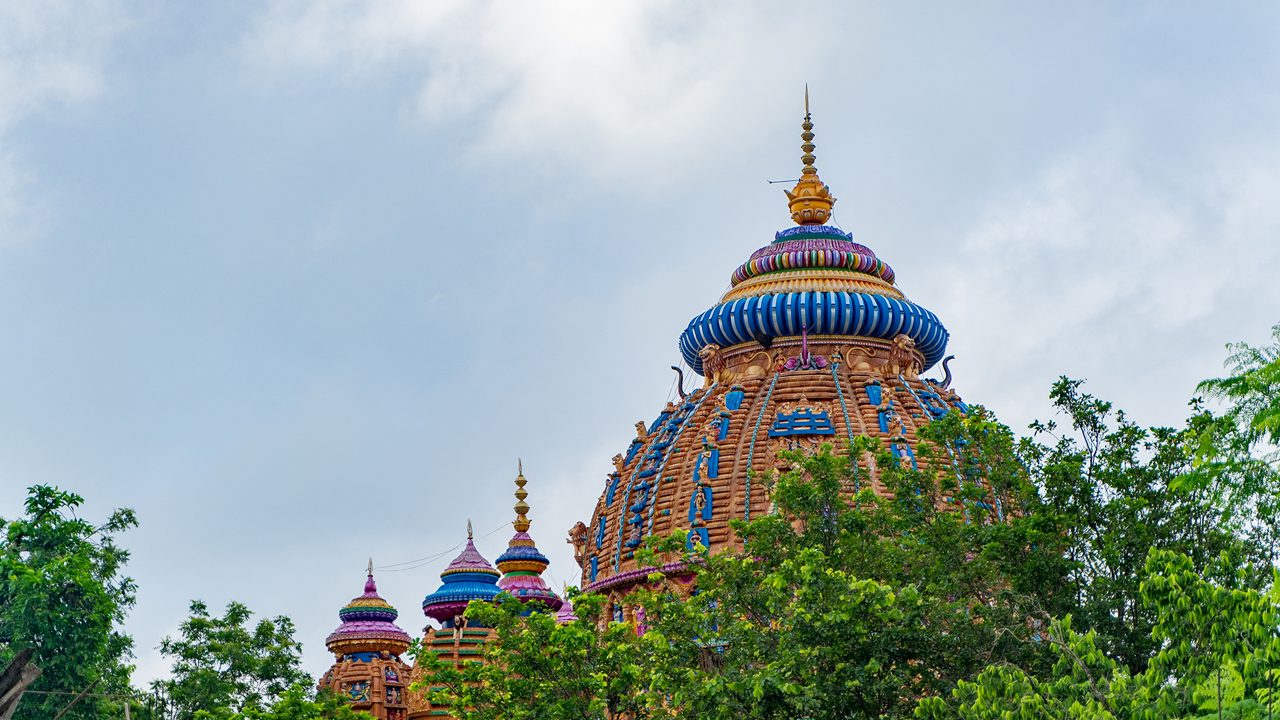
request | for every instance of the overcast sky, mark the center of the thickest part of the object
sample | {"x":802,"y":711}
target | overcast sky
{"x":300,"y":281}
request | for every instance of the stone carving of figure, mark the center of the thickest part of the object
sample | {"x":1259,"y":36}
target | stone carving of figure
{"x":713,"y":367}
{"x":618,"y":463}
{"x":578,"y":539}
{"x":642,"y":431}
{"x":902,"y":357}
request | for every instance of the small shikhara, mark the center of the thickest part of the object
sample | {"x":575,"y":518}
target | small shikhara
{"x":367,"y":646}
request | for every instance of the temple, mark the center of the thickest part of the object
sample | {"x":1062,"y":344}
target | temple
{"x":814,"y":343}
{"x":470,"y":577}
{"x":367,"y":668}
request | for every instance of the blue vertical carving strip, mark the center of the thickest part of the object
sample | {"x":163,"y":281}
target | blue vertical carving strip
{"x":622,"y":521}
{"x":751,"y":451}
{"x":848,"y":427}
{"x":912,"y":391}
{"x":684,"y":423}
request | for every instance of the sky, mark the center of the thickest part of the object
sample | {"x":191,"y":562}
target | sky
{"x":300,"y":281}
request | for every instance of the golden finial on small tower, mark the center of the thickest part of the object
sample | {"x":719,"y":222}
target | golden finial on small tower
{"x":522,"y":521}
{"x":810,"y":200}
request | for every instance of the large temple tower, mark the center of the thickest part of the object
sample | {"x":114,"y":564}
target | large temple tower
{"x":813,"y":343}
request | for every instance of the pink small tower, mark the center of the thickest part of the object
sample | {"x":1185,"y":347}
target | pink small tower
{"x":522,"y":564}
{"x":367,"y":669}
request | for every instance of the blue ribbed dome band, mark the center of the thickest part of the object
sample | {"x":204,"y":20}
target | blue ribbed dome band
{"x":821,"y":313}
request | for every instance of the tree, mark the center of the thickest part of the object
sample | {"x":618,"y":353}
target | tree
{"x":63,"y":593}
{"x":854,"y":609}
{"x":1242,"y":445}
{"x":299,"y":702}
{"x":1194,"y":630}
{"x":537,"y":669}
{"x":1254,"y":389}
{"x":1219,"y":658}
{"x":223,"y":666}
{"x":1118,"y":490}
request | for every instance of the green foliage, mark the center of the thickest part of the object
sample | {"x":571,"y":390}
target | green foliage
{"x":1254,"y":389}
{"x":538,"y":669}
{"x":1240,"y":445}
{"x":223,"y":666}
{"x":62,"y":592}
{"x":299,"y":703}
{"x":852,"y":609}
{"x":1116,"y":491}
{"x":1219,"y":657}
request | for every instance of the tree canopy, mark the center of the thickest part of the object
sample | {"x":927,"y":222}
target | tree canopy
{"x":63,"y":593}
{"x":224,"y":666}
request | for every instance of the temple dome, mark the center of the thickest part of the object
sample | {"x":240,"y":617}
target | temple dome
{"x":813,"y":343}
{"x":368,"y":625}
{"x":367,"y":670}
{"x":814,"y":280}
{"x":469,"y":577}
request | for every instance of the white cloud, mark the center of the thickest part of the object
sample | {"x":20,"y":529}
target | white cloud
{"x":1121,"y":269}
{"x":51,"y":56}
{"x":605,"y":90}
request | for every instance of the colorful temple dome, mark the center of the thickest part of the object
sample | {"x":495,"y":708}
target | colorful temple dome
{"x":566,"y":615}
{"x":523,"y":563}
{"x":367,"y":670}
{"x":813,"y":343}
{"x":811,"y":280}
{"x":469,"y":577}
{"x":368,"y":626}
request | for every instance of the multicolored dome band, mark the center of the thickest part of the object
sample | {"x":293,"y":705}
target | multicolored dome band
{"x":524,"y":554}
{"x":458,"y":590}
{"x":804,"y":258}
{"x":766,"y":317}
{"x":367,"y":612}
{"x":469,"y":577}
{"x":368,"y":625}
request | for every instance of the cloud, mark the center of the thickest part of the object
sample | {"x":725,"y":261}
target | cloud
{"x":52,"y":56}
{"x":604,"y":90}
{"x":1121,"y":268}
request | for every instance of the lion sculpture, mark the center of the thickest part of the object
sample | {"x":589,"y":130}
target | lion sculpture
{"x":902,"y":357}
{"x":713,"y":367}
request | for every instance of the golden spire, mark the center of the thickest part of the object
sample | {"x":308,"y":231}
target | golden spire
{"x":810,"y":200}
{"x":522,"y":507}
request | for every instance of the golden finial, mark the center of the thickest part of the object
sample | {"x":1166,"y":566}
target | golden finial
{"x":810,"y":200}
{"x":522,"y":521}
{"x":369,"y":571}
{"x":469,"y":535}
